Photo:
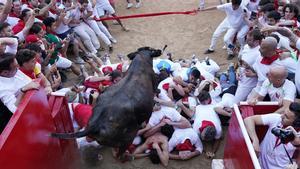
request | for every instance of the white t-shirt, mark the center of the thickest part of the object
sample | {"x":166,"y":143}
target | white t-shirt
{"x":10,"y":87}
{"x":262,"y":69}
{"x":235,"y":17}
{"x":163,"y":93}
{"x":248,"y":55}
{"x":12,"y":21}
{"x":297,"y":74}
{"x":227,"y":101}
{"x":290,"y":64}
{"x":286,"y":92}
{"x":180,"y":135}
{"x":273,"y":157}
{"x":204,"y":70}
{"x":13,"y":49}
{"x":102,"y":3}
{"x":165,"y":111}
{"x":206,"y":112}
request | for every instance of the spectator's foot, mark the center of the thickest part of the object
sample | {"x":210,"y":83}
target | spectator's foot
{"x":208,"y":51}
{"x":129,"y":5}
{"x":113,"y":40}
{"x":125,"y":29}
{"x":78,"y":60}
{"x":230,"y":56}
{"x":139,"y":4}
{"x":207,"y":60}
{"x":120,"y":56}
{"x":224,"y":47}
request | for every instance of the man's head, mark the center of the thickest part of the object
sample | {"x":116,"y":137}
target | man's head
{"x":254,"y":38}
{"x":266,"y":9}
{"x":83,"y":4}
{"x":8,"y":65}
{"x":33,"y":3}
{"x":167,"y":130}
{"x":116,"y":76}
{"x":273,"y":17}
{"x":291,"y":115}
{"x":290,"y":11}
{"x":5,"y":29}
{"x":194,"y":75}
{"x":50,"y":24}
{"x":204,"y":97}
{"x":16,"y":7}
{"x":236,"y":4}
{"x":268,"y":47}
{"x":208,"y":133}
{"x":37,"y":30}
{"x":25,"y":14}
{"x":26,"y":59}
{"x":277,"y":75}
{"x":153,"y":155}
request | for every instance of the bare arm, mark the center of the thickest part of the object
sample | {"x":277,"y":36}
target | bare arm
{"x":221,"y":111}
{"x":163,"y":153}
{"x":250,"y":123}
{"x":46,"y":8}
{"x":182,"y":123}
{"x":285,"y":104}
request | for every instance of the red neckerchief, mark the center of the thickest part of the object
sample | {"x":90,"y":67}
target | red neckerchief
{"x":166,"y":86}
{"x":276,"y":4}
{"x":205,"y":124}
{"x":29,"y":73}
{"x":269,"y":60}
{"x":12,"y":14}
{"x":186,"y":145}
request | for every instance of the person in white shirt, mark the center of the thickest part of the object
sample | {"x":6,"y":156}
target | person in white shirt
{"x":103,"y":6}
{"x":269,"y":58}
{"x":186,"y":142}
{"x":13,"y":82}
{"x":273,"y":153}
{"x":247,"y":58}
{"x":277,"y":87}
{"x":207,"y":124}
{"x":233,"y":23}
{"x":138,"y":4}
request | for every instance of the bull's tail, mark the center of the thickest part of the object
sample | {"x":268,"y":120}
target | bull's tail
{"x":70,"y":135}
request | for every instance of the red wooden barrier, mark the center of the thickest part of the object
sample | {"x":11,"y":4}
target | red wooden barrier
{"x":25,"y":142}
{"x":237,"y":153}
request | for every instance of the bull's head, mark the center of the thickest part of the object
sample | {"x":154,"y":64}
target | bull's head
{"x":145,"y":51}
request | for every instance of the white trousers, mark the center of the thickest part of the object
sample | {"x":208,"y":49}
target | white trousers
{"x":223,"y":27}
{"x":241,"y":34}
{"x":241,"y":94}
{"x":88,"y":37}
{"x":93,"y":24}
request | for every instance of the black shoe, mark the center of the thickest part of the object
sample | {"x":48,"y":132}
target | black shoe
{"x":208,"y":51}
{"x":230,"y":57}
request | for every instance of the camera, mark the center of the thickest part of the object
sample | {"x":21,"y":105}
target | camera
{"x":285,"y":136}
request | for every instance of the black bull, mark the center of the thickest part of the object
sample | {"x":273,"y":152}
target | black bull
{"x":121,"y":109}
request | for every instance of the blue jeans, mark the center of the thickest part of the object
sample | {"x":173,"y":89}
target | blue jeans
{"x":230,"y":80}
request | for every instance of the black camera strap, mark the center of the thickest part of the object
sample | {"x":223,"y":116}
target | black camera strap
{"x":287,"y":154}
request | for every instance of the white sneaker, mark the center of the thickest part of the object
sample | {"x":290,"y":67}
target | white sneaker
{"x":224,"y":47}
{"x":139,"y":4}
{"x":113,"y":40}
{"x":129,"y":5}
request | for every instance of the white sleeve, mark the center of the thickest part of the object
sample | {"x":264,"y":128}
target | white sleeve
{"x":153,"y":121}
{"x":198,"y":145}
{"x":224,"y":7}
{"x":192,"y":102}
{"x":12,"y":48}
{"x":21,"y":36}
{"x":163,"y":95}
{"x":9,"y":100}
{"x":172,"y":144}
{"x":264,"y":88}
{"x":271,"y":119}
{"x":175,"y":115}
{"x":290,"y":92}
{"x":219,"y":131}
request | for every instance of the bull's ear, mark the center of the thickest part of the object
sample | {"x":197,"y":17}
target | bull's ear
{"x":156,"y":53}
{"x":132,"y":55}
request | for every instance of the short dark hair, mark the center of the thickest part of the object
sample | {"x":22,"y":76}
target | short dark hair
{"x":48,"y":21}
{"x":83,"y":1}
{"x":268,"y":8}
{"x":275,"y":15}
{"x":203,"y":95}
{"x":167,"y":130}
{"x":35,"y":29}
{"x":293,"y":8}
{"x":163,"y":74}
{"x":115,"y":74}
{"x":3,"y":26}
{"x":24,"y":55}
{"x":34,"y":47}
{"x":24,"y":13}
{"x":210,"y":133}
{"x":236,"y":2}
{"x":196,"y":73}
{"x":6,"y":59}
{"x":153,"y":155}
{"x":295,"y":108}
{"x":264,"y":2}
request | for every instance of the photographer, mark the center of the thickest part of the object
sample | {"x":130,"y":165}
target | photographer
{"x":272,"y":153}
